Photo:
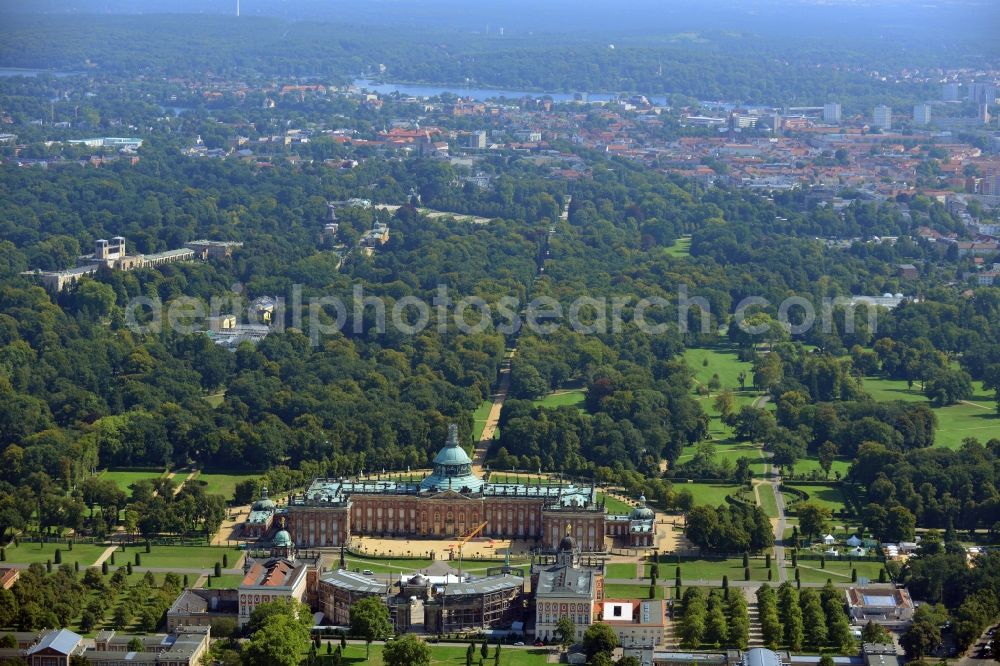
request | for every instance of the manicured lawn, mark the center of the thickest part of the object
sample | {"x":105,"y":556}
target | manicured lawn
{"x":570,"y":397}
{"x":224,"y":582}
{"x":829,"y":497}
{"x":839,"y":571}
{"x":400,"y":565}
{"x":223,"y":484}
{"x":729,"y":449}
{"x":805,"y":466}
{"x":479,"y":418}
{"x":723,"y":361}
{"x":29,"y":553}
{"x":639,"y":591}
{"x":451,"y":654}
{"x":125,"y":479}
{"x":975,"y":418}
{"x":680,"y":248}
{"x":707,"y":493}
{"x":768,"y":502}
{"x":699,"y":571}
{"x":613,"y":504}
{"x":885,"y":390}
{"x":621,"y":570}
{"x":179,"y":557}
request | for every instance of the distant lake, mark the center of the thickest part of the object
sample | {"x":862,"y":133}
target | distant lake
{"x":31,"y":73}
{"x":479,"y":94}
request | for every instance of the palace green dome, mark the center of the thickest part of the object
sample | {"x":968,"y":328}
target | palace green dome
{"x":283,"y":539}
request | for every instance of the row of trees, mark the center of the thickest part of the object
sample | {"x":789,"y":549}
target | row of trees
{"x":796,"y":618}
{"x":722,"y":619}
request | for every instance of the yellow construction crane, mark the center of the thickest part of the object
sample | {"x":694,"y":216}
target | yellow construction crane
{"x":466,"y":539}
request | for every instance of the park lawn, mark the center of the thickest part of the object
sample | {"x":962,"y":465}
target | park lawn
{"x":613,"y":504}
{"x":713,"y":494}
{"x":179,"y":557}
{"x":223,"y":484}
{"x":828,"y":497}
{"x":479,"y":418}
{"x":569,"y":397}
{"x":622,"y":570}
{"x":768,"y":501}
{"x":637,"y":591}
{"x":839,"y":571}
{"x":125,"y":479}
{"x":887,"y":390}
{"x":29,"y":553}
{"x":976,"y":417}
{"x":451,"y":654}
{"x":680,"y":248}
{"x":391,"y":565}
{"x":728,"y":449}
{"x":223,"y":582}
{"x":805,"y":466}
{"x":699,"y":571}
{"x":723,"y":361}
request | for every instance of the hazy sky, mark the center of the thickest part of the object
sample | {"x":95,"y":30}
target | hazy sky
{"x":941,"y":19}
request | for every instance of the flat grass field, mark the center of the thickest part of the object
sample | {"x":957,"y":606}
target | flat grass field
{"x":451,"y":654}
{"x":125,"y":479}
{"x":810,"y":463}
{"x":698,"y":571}
{"x":829,"y":497}
{"x":479,"y":418}
{"x":29,"y":553}
{"x":637,"y":591}
{"x":622,"y":570}
{"x":223,"y":484}
{"x":179,"y":557}
{"x":223,"y":582}
{"x":563,"y":398}
{"x":723,"y":361}
{"x":713,"y":494}
{"x":727,"y":449}
{"x":839,"y":571}
{"x":976,"y":417}
{"x":400,"y":565}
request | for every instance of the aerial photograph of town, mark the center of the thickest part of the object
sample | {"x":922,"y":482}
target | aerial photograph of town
{"x":499,"y":332}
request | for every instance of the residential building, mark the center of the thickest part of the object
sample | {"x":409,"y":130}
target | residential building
{"x":883,"y":117}
{"x":982,"y":93}
{"x":477,"y":140}
{"x":831,"y":112}
{"x":951,"y":92}
{"x":922,"y":114}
